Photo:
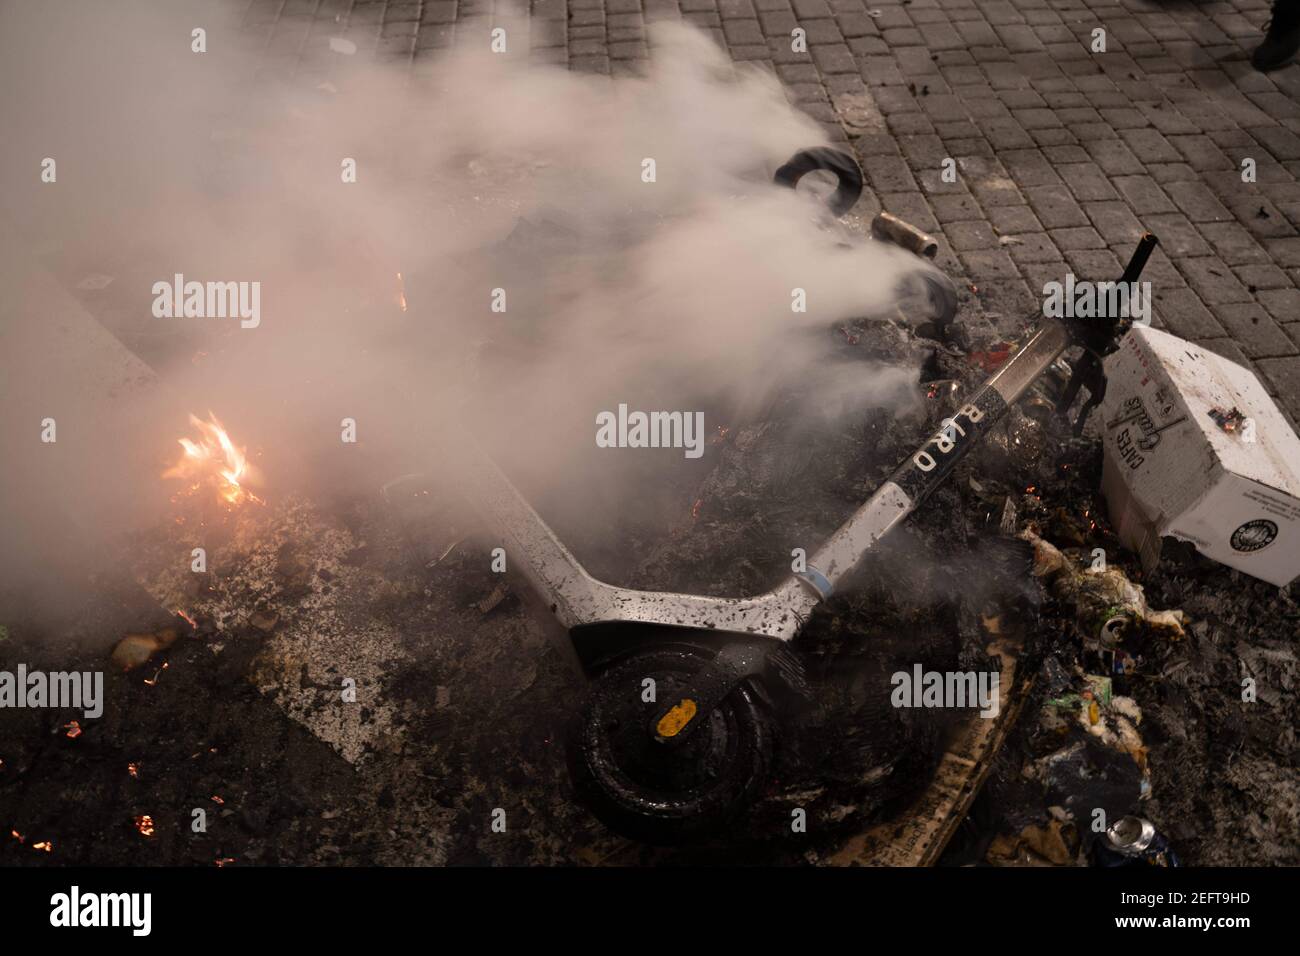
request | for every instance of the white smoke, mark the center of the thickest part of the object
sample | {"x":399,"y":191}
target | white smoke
{"x":669,"y":293}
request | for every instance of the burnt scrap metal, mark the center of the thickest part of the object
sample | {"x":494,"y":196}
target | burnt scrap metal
{"x":634,"y":789}
{"x":890,"y":228}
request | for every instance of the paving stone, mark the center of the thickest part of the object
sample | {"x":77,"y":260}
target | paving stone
{"x":857,"y":25}
{"x":989,"y":264}
{"x":1032,"y":247}
{"x":1095,"y":265}
{"x":1197,"y":202}
{"x":1213,"y":281}
{"x":1013,"y":220}
{"x":1029,"y":167}
{"x":1113,"y":156}
{"x":1202,"y":152}
{"x":1266,"y":278}
{"x":1177,"y":235}
{"x":1281,"y":142}
{"x":1184,"y":314}
{"x":956,"y":206}
{"x":1233,"y":244}
{"x":1078,"y":237}
{"x":1283,"y":374}
{"x":1143,"y":194}
{"x":889,"y":174}
{"x":1253,"y":329}
{"x":1281,"y":302}
{"x":1065,"y":155}
{"x":970,"y":235}
{"x":1007,"y":134}
{"x":1285,"y":252}
{"x":999,"y":191}
{"x":1115,"y":222}
{"x":1087,"y":182}
{"x":1055,"y":207}
{"x":910,"y":124}
{"x":1172,"y":173}
{"x":1259,"y":215}
{"x":1150,"y":146}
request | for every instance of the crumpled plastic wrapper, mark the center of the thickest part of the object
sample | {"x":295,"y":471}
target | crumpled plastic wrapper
{"x":1054,"y":844}
{"x":1108,"y":606}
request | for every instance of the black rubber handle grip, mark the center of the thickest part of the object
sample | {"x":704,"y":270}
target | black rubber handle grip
{"x":1146,"y":245}
{"x":844,"y":166}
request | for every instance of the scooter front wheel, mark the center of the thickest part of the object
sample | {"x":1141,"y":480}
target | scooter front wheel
{"x":656,"y":791}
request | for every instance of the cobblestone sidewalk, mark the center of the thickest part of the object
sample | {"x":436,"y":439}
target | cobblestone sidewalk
{"x":1064,"y":154}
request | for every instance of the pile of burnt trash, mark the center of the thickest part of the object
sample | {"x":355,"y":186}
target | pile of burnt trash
{"x":1188,"y":722}
{"x":1169,"y":696}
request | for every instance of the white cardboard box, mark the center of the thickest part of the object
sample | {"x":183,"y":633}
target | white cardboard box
{"x":1172,"y":469}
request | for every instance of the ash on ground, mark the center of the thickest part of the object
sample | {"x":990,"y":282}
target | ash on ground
{"x":461,"y":689}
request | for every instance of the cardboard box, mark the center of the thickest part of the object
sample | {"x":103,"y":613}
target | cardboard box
{"x":1196,"y":449}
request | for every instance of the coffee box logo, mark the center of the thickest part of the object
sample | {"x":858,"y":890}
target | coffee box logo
{"x":1254,"y":535}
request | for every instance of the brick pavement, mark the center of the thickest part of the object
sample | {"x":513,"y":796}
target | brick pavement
{"x":1063,"y":154}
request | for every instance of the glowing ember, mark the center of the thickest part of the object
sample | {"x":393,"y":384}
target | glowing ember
{"x":992,"y":358}
{"x":213,"y":460}
{"x":695,"y":509}
{"x":17,"y":836}
{"x":401,"y":293}
{"x":145,"y":825}
{"x":217,"y":800}
{"x":73,"y":729}
{"x":189,"y":620}
{"x":45,"y":846}
{"x":224,"y":860}
{"x":1230,"y":421}
{"x":133,"y":769}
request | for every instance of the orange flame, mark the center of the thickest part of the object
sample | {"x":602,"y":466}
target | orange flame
{"x":214,"y":458}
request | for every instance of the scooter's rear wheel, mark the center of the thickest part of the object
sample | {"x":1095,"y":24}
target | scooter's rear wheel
{"x":654,"y":791}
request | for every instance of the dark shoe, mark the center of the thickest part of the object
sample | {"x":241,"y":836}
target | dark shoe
{"x":1282,"y":39}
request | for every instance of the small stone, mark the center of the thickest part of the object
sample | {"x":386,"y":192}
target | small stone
{"x":264,"y":621}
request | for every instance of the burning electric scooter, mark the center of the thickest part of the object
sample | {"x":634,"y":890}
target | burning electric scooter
{"x":677,"y":733}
